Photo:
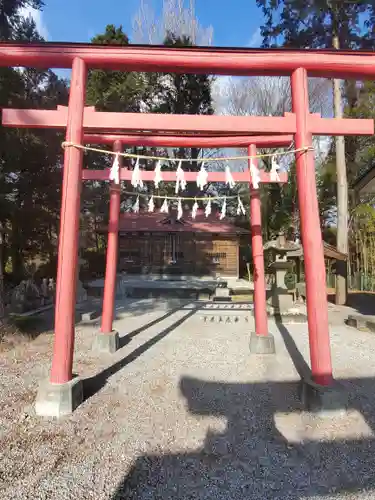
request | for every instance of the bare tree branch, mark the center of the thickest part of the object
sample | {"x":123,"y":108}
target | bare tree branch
{"x":176,"y":18}
{"x":269,"y":96}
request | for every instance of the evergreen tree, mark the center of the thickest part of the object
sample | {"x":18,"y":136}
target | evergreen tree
{"x":12,"y":23}
{"x":322,"y":24}
{"x":313,"y":23}
{"x":30,"y":166}
{"x":114,"y":90}
{"x":183,"y":94}
{"x":151,"y":92}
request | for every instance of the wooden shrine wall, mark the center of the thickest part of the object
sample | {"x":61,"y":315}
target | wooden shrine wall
{"x":179,"y":253}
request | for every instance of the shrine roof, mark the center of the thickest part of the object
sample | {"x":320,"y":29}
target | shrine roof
{"x":159,"y":222}
{"x":330,"y":252}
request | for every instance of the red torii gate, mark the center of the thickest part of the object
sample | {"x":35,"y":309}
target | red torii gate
{"x":262,"y":341}
{"x":62,"y":393}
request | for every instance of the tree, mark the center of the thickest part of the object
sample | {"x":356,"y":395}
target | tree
{"x":183,"y":94}
{"x":176,"y":26}
{"x":362,"y":239}
{"x":310,"y":24}
{"x":114,"y":91}
{"x":30,"y":165}
{"x":153,"y":92}
{"x":272,"y":96}
{"x":12,"y":90}
{"x":32,"y":172}
{"x":360,"y":103}
{"x":176,"y":18}
{"x":317,"y":24}
{"x":11,"y":20}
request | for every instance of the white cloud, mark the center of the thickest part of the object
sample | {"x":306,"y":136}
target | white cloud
{"x":256,"y":39}
{"x":38,"y":18}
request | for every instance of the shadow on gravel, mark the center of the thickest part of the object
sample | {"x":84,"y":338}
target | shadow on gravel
{"x":142,"y":306}
{"x":251,"y":459}
{"x":22,"y":329}
{"x":126,"y":339}
{"x":362,"y":302}
{"x":298,"y":360}
{"x":92,"y":385}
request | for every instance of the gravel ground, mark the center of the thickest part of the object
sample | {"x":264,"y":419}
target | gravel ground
{"x":183,"y":411}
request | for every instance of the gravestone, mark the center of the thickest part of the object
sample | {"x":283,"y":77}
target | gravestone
{"x":52,"y":288}
{"x":47,"y":291}
{"x":44,"y":291}
{"x":81,"y":293}
{"x":26,"y":297}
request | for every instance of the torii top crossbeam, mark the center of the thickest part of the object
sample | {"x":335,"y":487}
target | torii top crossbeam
{"x":211,"y":60}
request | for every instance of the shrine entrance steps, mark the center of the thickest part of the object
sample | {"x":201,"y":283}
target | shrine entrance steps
{"x":184,"y":287}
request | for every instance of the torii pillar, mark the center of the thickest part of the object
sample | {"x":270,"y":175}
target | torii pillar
{"x":316,"y":292}
{"x":261,"y":341}
{"x":108,"y":339}
{"x":62,"y":393}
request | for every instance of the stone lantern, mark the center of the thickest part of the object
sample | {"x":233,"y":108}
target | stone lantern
{"x":281,"y":299}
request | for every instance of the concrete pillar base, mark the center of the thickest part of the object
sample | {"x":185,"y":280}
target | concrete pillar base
{"x":262,"y":344}
{"x":323,"y":401}
{"x":58,"y":400}
{"x":106,"y":342}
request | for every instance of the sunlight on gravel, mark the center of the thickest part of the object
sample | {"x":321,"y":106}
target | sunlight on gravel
{"x":190,"y":415}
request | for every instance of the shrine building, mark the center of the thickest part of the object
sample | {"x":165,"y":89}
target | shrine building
{"x":158,"y":243}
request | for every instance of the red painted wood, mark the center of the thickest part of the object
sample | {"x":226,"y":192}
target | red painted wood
{"x":187,"y":141}
{"x":112,"y":252}
{"x":62,"y":361}
{"x":191,"y":123}
{"x":337,"y":126}
{"x":104,"y":121}
{"x":126,"y":175}
{"x":340,"y":64}
{"x":317,"y":308}
{"x":175,"y":124}
{"x":260,"y":302}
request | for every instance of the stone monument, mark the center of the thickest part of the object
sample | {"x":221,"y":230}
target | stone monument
{"x":222,"y":292}
{"x":26,"y":297}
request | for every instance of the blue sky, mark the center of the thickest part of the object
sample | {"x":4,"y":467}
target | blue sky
{"x":235,"y":23}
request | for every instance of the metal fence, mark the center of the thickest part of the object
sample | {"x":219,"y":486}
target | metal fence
{"x":362,"y":282}
{"x":359,"y":281}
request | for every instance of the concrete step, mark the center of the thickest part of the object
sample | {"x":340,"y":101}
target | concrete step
{"x":361,"y":322}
